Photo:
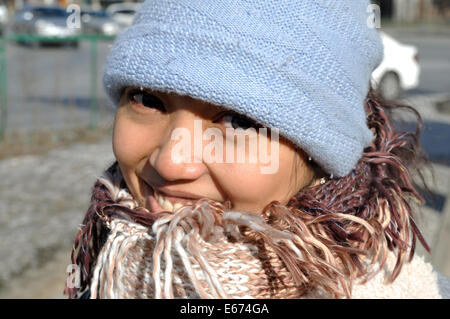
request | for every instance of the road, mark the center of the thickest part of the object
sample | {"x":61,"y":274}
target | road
{"x":434,"y":86}
{"x":50,"y":87}
{"x":434,"y":57}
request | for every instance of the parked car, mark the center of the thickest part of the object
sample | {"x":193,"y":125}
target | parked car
{"x":98,"y":22}
{"x":399,"y":70}
{"x":3,"y":18}
{"x":123,"y":13}
{"x":45,"y":21}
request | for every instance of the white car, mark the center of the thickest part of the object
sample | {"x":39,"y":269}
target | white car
{"x":123,"y":13}
{"x":399,"y":70}
{"x":3,"y":18}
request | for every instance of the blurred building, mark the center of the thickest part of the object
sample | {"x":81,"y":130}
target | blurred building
{"x":414,"y":10}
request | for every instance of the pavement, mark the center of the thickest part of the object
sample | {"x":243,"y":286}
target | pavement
{"x":435,"y":137}
{"x":433,"y":44}
{"x":63,"y":99}
{"x":43,"y":199}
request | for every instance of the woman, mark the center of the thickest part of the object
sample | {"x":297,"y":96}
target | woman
{"x":252,"y":160}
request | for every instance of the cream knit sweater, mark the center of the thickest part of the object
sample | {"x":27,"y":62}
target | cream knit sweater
{"x":417,"y":280}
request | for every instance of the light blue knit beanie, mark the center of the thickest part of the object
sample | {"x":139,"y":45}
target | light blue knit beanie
{"x":303,"y":67}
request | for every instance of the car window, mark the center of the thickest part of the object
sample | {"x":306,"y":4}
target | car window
{"x":125,"y":11}
{"x":50,"y":12}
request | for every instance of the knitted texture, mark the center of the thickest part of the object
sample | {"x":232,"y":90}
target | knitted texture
{"x":239,"y":271}
{"x":302,"y":67}
{"x":188,"y":254}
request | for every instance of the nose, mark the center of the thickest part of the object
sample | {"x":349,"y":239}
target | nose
{"x":179,"y":154}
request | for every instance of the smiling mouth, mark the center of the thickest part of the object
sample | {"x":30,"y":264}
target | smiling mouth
{"x":159,"y":201}
{"x":168,"y":203}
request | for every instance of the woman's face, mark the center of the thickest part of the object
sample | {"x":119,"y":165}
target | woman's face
{"x":161,"y":143}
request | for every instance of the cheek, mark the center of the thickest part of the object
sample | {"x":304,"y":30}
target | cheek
{"x":249,"y":189}
{"x":244,"y":177}
{"x":130,"y":141}
{"x":241,"y":184}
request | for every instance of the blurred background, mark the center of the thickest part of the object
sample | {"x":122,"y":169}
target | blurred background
{"x":56,"y":121}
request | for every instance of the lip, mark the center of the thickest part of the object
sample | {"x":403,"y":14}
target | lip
{"x":154,"y":205}
{"x":177,"y":195}
{"x":157,"y":207}
{"x":173,"y":196}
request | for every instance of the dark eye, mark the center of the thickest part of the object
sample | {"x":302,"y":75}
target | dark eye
{"x":235,"y":121}
{"x":146,"y":99}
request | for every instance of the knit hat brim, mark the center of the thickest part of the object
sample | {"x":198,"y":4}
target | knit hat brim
{"x":220,"y":70}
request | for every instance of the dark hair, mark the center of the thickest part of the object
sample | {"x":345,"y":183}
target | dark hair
{"x":378,"y":193}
